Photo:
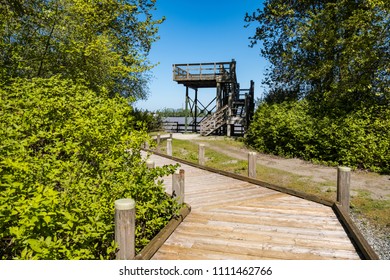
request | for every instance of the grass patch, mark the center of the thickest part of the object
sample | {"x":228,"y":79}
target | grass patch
{"x":377,"y":212}
{"x":295,"y":182}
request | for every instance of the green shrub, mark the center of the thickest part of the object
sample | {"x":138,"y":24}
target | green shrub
{"x":360,"y":139}
{"x":66,"y":154}
{"x":365,"y":139}
{"x":282,"y":129}
{"x":146,"y":120}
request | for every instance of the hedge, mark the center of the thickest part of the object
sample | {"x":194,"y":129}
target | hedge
{"x":66,"y":154}
{"x":361,"y":139}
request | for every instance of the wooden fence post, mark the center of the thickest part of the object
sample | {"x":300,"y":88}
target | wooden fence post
{"x":125,"y":228}
{"x":150,"y":164}
{"x":158,"y":142}
{"x":252,"y":159}
{"x":169,"y":147}
{"x":178,"y":186}
{"x":201,"y":157}
{"x":343,"y":186}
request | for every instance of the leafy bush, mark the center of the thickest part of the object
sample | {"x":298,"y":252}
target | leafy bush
{"x":66,"y":154}
{"x":147,"y":120}
{"x":360,"y":139}
{"x":283,"y":129}
{"x":365,"y":139}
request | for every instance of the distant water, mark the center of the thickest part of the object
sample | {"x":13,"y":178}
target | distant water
{"x":180,"y":120}
{"x":177,"y":124}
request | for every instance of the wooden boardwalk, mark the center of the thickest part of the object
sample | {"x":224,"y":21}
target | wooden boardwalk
{"x":232,"y":219}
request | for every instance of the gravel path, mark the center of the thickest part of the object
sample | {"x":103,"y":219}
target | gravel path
{"x":378,"y":240}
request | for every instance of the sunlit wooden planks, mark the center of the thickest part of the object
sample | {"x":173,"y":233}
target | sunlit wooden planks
{"x":232,"y":219}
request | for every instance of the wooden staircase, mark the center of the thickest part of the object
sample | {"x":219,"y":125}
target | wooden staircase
{"x":214,"y":121}
{"x":234,"y":109}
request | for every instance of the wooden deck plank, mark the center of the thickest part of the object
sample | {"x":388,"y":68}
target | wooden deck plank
{"x":267,"y":235}
{"x":307,"y":241}
{"x":169,"y":252}
{"x":276,"y":225}
{"x":340,"y":234}
{"x":258,"y":248}
{"x":233,"y":219}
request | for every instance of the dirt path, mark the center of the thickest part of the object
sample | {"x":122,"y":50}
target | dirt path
{"x":377,"y":185}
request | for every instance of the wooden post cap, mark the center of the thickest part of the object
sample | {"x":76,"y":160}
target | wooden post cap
{"x":124,"y":204}
{"x":344,"y":168}
{"x":150,"y":163}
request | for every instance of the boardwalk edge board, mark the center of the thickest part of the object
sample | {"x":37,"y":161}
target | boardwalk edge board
{"x":155,"y":244}
{"x":353,"y":232}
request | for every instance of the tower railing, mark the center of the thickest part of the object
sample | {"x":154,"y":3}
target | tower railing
{"x":203,"y":71}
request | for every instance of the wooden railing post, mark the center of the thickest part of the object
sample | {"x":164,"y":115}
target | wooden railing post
{"x":252,"y":159}
{"x":201,"y":157}
{"x":158,"y":142}
{"x":178,"y":186}
{"x":343,"y":186}
{"x":125,"y":228}
{"x":229,"y":127}
{"x":169,"y":147}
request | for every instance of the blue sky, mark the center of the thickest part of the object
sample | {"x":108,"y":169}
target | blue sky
{"x":201,"y":31}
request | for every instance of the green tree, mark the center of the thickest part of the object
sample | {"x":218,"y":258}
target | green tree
{"x":334,"y":53}
{"x":105,"y":43}
{"x":170,"y":112}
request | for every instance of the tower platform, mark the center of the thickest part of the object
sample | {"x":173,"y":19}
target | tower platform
{"x":231,"y":108}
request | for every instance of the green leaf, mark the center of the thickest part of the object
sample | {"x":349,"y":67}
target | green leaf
{"x":35,"y":245}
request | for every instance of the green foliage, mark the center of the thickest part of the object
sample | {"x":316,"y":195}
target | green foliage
{"x":329,"y":81}
{"x":282,"y":129}
{"x":147,"y":120}
{"x":169,"y":112}
{"x":361,"y":139}
{"x":105,"y":43}
{"x":335,"y":53}
{"x":66,"y":154}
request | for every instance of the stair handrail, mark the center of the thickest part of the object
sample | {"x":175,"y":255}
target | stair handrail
{"x":212,"y":119}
